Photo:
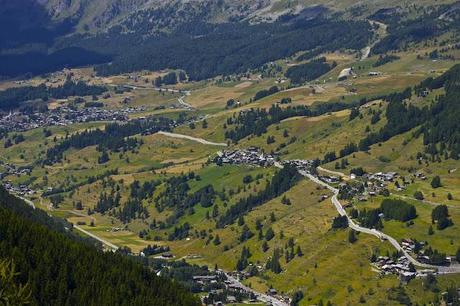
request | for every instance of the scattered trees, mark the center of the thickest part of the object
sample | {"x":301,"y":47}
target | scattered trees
{"x":436,"y":182}
{"x":270,"y":234}
{"x":282,"y":181}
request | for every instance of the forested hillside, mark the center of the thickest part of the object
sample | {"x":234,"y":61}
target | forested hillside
{"x":405,"y":30}
{"x":61,"y":271}
{"x":439,"y":128}
{"x":229,"y":48}
{"x":177,"y":35}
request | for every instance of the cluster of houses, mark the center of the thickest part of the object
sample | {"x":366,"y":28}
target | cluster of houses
{"x":421,"y":176}
{"x":62,"y":116}
{"x":21,"y":190}
{"x":250,"y":156}
{"x":377,"y":183}
{"x":226,"y":289}
{"x":301,"y":164}
{"x":10,"y":169}
{"x":383,"y":176}
{"x":409,"y":246}
{"x":330,"y":179}
{"x":401,"y":267}
{"x":221,"y":290}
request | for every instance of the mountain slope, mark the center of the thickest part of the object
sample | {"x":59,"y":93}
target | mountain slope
{"x":61,"y":271}
{"x":101,"y":15}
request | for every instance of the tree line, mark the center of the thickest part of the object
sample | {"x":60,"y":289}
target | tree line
{"x":256,"y":121}
{"x":176,"y":196}
{"x":404,"y":31}
{"x":114,"y":137}
{"x":15,"y":97}
{"x":229,"y":48}
{"x":390,"y":209}
{"x":437,"y":124}
{"x":307,"y":72}
{"x":281,"y":182}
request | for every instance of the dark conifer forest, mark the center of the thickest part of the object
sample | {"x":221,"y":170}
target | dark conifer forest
{"x":63,"y":270}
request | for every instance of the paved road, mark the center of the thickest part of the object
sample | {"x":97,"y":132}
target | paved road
{"x":105,"y":242}
{"x":337,"y":173}
{"x":374,"y":232}
{"x":366,"y":51}
{"x":361,"y":229}
{"x":261,"y":296}
{"x":200,"y":140}
{"x":423,"y":201}
{"x":27,"y":201}
{"x":183,"y":103}
{"x":181,"y":99}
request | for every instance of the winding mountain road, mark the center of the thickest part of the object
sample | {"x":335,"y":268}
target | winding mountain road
{"x":374,"y":232}
{"x":382,"y":28}
{"x":181,"y":99}
{"x":199,"y":140}
{"x":337,"y":173}
{"x":260,"y":296}
{"x":103,"y":241}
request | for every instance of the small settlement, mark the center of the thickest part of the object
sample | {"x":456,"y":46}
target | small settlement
{"x":250,"y":156}
{"x":62,"y":116}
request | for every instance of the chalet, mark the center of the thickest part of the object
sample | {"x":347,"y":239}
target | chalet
{"x":330,"y":179}
{"x":345,"y":73}
{"x":405,"y":277}
{"x":383,"y":177}
{"x":204,"y":278}
{"x":231,"y":299}
{"x":166,"y":255}
{"x":424,"y":93}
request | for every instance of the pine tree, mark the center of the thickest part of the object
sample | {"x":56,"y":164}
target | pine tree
{"x":352,"y":236}
{"x":265,"y":246}
{"x":436,"y":182}
{"x":430,"y":230}
{"x":299,"y":251}
{"x":269,"y":234}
